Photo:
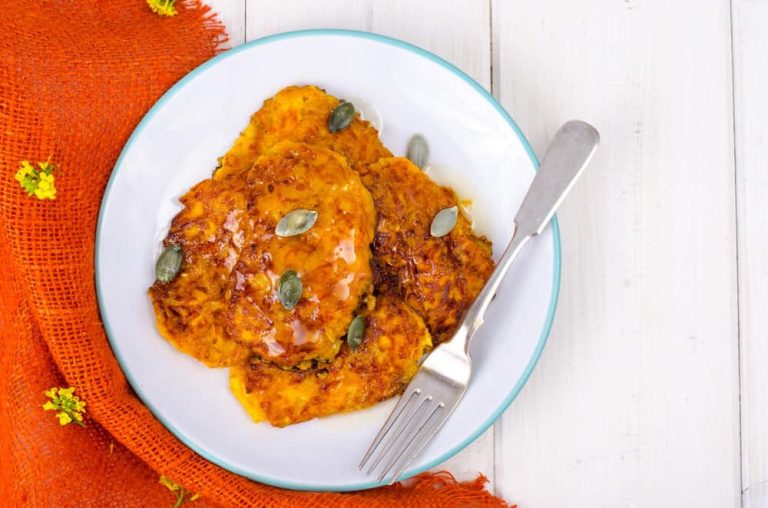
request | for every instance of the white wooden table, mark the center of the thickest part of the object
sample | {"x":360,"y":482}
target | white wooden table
{"x":653,"y":388}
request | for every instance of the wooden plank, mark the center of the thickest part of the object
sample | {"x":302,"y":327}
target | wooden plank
{"x":750,"y":47}
{"x":635,"y":401}
{"x":232,"y":14}
{"x":265,"y":17}
{"x":458,"y":30}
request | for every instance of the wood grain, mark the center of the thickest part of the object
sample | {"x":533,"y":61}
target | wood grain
{"x":457,"y":30}
{"x":750,"y":47}
{"x":264,"y":17}
{"x":635,"y":401}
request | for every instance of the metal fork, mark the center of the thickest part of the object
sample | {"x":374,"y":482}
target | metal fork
{"x":438,"y":386}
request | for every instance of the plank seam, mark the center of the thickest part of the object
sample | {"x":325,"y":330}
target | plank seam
{"x":490,"y":39}
{"x":742,"y":489}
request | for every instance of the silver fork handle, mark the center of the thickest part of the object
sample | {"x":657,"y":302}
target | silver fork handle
{"x":565,"y":159}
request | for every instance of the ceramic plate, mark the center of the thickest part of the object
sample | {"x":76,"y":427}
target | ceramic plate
{"x":476,"y":148}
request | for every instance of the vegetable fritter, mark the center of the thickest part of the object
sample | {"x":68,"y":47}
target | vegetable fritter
{"x":332,"y":258}
{"x":381,"y":367}
{"x":300,"y":113}
{"x":191,"y":310}
{"x":438,"y":277}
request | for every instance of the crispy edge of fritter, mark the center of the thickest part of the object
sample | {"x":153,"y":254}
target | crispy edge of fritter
{"x":196,"y":332}
{"x":438,"y":277}
{"x":300,"y":114}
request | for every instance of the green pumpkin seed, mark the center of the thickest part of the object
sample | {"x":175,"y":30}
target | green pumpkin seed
{"x":168,"y":264}
{"x":444,"y":222}
{"x":341,"y":116}
{"x":418,"y":151}
{"x":289,"y":289}
{"x":356,"y":332}
{"x":296,"y":223}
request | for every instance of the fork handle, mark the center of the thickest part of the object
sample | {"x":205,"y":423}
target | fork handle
{"x":567,"y":156}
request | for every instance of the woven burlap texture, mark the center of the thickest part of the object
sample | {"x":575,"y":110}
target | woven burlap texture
{"x":76,"y":76}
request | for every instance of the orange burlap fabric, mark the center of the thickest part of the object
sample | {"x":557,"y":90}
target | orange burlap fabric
{"x":75,"y":78}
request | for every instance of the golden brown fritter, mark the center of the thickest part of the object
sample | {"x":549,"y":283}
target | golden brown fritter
{"x":372,"y":235}
{"x":438,"y":277}
{"x":190,"y":310}
{"x":379,"y":368}
{"x":332,"y":258}
{"x":300,"y":113}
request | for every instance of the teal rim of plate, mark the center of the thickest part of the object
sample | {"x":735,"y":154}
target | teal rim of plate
{"x":401,"y":45}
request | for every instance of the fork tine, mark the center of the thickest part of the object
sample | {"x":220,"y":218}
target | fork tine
{"x":416,"y":430}
{"x":384,"y":430}
{"x":400,"y":426}
{"x":424,"y":436}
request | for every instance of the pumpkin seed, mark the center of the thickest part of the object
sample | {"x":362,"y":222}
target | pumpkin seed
{"x":168,"y":264}
{"x":356,"y":332}
{"x":341,"y":116}
{"x":296,"y":223}
{"x":418,"y":151}
{"x":289,"y":289}
{"x":444,"y":222}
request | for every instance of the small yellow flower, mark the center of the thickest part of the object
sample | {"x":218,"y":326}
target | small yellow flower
{"x":179,"y":491}
{"x":38,"y":182}
{"x":69,"y":406}
{"x":163,"y":7}
{"x":45,"y":188}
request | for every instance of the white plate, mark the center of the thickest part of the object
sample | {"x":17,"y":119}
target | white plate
{"x":483,"y":156}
